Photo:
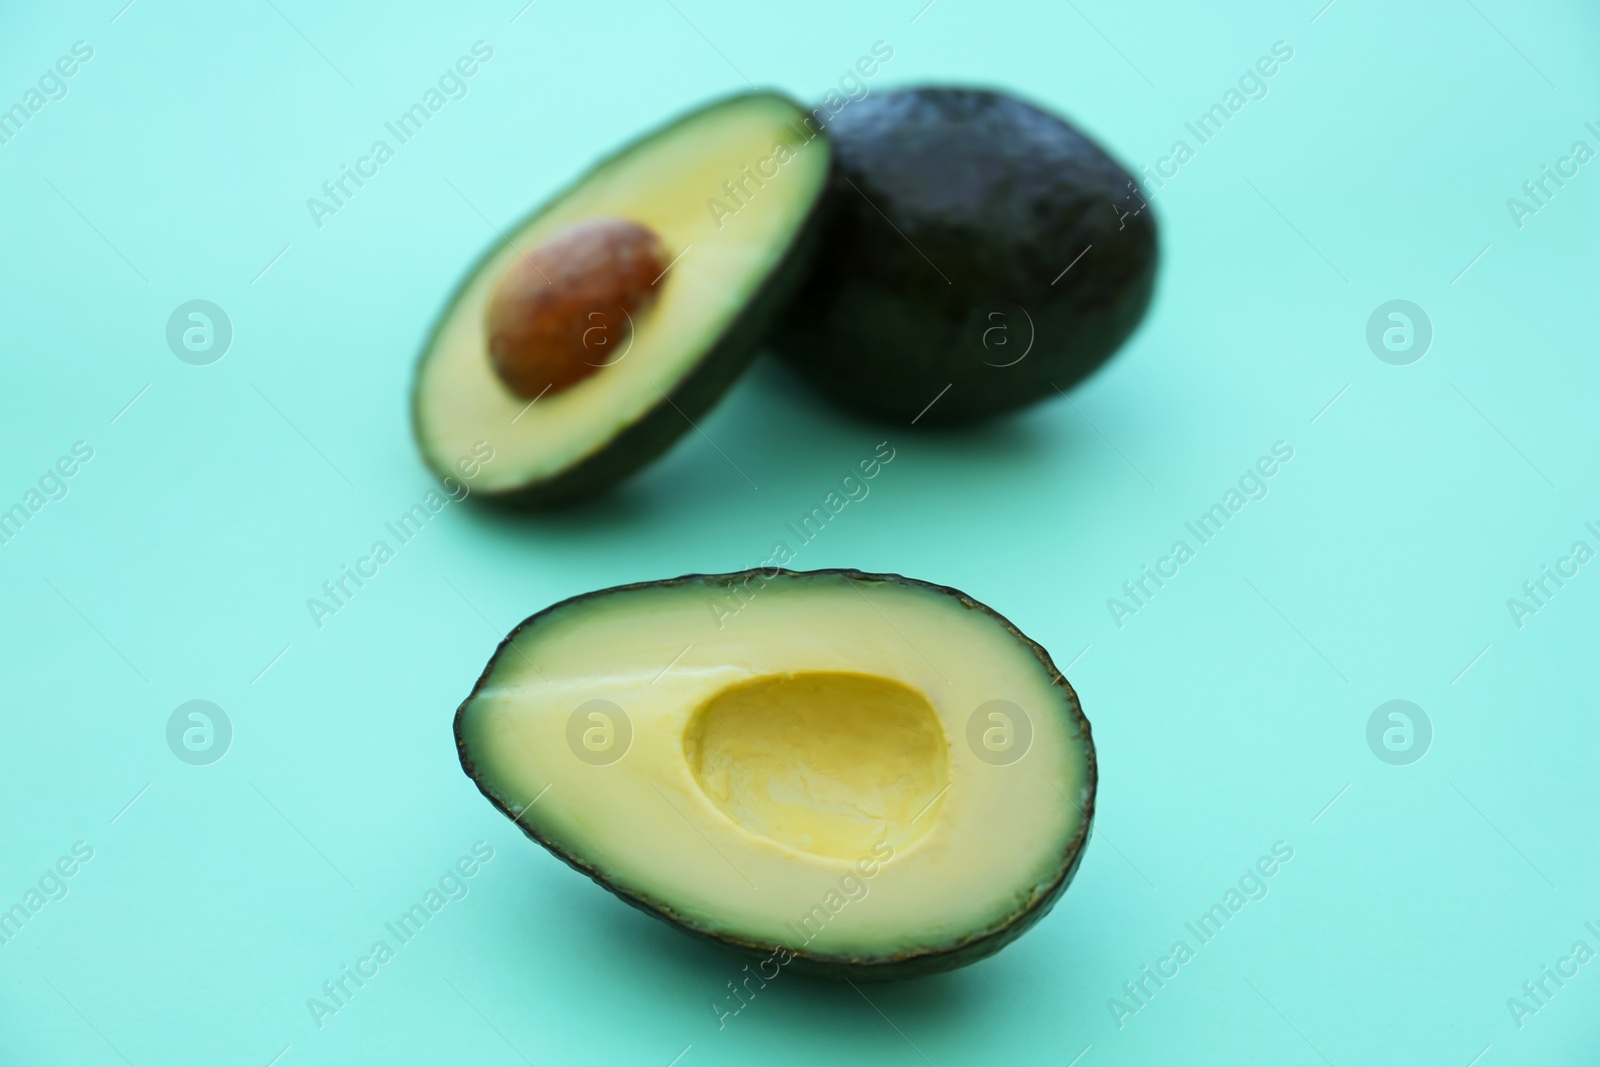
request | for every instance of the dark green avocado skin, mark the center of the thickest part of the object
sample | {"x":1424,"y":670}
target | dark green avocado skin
{"x":797,"y":960}
{"x":725,"y":357}
{"x":956,"y":212}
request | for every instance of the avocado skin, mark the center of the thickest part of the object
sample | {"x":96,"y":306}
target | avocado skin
{"x":699,"y":388}
{"x":992,"y":199}
{"x":835,"y":968}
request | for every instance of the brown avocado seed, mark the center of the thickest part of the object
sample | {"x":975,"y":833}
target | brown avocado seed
{"x":564,"y":310}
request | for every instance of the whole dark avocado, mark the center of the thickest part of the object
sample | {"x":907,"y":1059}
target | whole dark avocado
{"x":980,"y":251}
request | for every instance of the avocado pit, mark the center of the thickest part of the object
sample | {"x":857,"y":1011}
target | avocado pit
{"x":565,"y":309}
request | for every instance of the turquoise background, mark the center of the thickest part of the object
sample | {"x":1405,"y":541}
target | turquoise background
{"x":1228,"y":712}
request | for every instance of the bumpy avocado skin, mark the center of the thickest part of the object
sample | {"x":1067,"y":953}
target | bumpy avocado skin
{"x":955,"y":212}
{"x":968,"y":950}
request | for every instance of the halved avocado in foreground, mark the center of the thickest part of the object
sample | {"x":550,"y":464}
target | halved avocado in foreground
{"x":582,"y":345}
{"x":852,"y":775}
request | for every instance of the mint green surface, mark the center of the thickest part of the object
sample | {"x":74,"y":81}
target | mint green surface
{"x":1228,"y":712}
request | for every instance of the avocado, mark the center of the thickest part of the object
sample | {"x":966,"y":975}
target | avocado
{"x":981,"y":252}
{"x":855,"y":776}
{"x":595,"y":333}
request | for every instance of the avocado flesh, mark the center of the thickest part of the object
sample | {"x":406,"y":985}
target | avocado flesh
{"x":800,"y":780}
{"x":955,"y":217}
{"x":732,"y":272}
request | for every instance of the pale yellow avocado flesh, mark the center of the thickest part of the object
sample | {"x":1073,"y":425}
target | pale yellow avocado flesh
{"x":722,"y":247}
{"x":800,"y":775}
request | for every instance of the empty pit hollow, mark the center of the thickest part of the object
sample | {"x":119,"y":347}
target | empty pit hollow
{"x":824,"y":762}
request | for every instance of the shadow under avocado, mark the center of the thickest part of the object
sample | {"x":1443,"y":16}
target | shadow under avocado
{"x":772,"y":434}
{"x":735,"y":991}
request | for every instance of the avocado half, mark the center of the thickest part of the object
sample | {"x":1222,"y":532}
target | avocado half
{"x":727,"y":199}
{"x":856,"y":776}
{"x":982,"y":254}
